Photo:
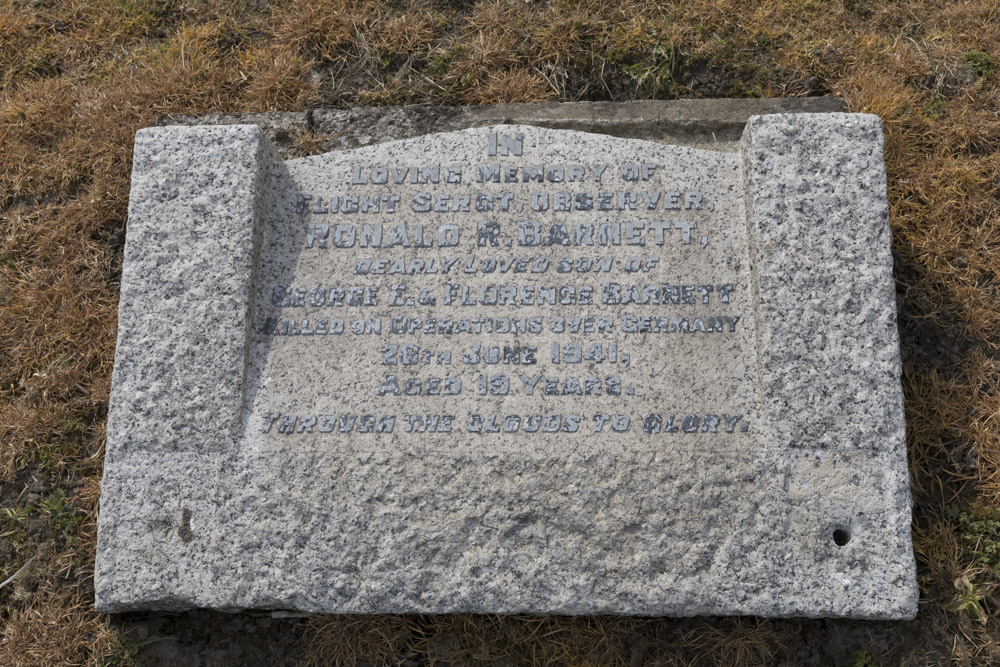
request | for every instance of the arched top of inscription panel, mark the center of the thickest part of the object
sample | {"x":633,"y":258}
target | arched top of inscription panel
{"x":512,"y":142}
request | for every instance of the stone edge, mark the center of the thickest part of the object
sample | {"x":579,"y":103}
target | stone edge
{"x":819,"y":243}
{"x":689,"y":122}
{"x":177,"y":242}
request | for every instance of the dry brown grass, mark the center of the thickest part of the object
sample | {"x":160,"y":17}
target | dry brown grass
{"x":54,"y":631}
{"x":465,"y":639}
{"x":78,"y":78}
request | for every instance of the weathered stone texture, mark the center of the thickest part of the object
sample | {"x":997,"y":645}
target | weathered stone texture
{"x":806,"y":512}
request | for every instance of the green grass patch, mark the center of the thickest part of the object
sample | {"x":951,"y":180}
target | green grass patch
{"x":979,"y":527}
{"x":980,"y":63}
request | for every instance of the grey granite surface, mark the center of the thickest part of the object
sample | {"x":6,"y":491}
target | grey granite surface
{"x":225,"y":487}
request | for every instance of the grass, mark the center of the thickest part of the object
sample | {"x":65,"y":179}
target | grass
{"x":78,"y":78}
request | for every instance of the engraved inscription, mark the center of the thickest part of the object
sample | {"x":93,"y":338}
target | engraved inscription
{"x":516,"y":291}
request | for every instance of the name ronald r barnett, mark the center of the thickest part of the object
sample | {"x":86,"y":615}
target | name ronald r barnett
{"x":527,"y":233}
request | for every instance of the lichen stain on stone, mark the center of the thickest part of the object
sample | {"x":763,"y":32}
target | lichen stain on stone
{"x":185,"y":530}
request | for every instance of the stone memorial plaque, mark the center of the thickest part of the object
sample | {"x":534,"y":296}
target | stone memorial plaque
{"x":510,"y":369}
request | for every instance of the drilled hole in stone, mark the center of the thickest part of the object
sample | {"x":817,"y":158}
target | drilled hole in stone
{"x":841,"y":536}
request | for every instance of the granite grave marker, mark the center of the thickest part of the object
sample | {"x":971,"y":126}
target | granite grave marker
{"x":509,"y":369}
